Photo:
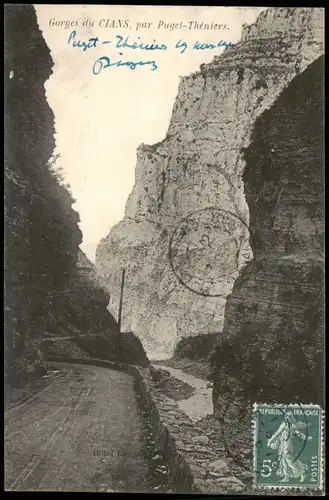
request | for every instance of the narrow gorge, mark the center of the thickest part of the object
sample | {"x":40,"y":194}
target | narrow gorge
{"x":222,"y":243}
{"x":189,"y":191}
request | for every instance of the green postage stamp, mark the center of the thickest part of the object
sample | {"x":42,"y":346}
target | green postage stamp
{"x":288,"y":446}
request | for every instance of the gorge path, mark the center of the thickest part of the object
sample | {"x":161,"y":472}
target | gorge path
{"x":82,"y":430}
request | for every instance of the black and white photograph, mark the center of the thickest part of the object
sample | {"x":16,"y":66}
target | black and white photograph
{"x":164,"y":249}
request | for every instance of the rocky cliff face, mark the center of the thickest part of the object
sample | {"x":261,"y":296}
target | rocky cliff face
{"x":182,"y":252}
{"x":273,"y":339}
{"x":83,"y":327}
{"x":89,"y":296}
{"x":31,"y":222}
{"x":50,"y":288}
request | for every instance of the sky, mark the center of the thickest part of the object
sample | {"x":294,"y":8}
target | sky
{"x":101,"y":119}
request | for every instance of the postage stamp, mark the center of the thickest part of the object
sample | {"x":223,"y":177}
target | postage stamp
{"x":288,"y":446}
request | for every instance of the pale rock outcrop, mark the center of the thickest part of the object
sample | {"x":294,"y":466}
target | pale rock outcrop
{"x":199,"y":164}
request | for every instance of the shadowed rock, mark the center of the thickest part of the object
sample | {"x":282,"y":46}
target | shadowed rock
{"x":50,"y":286}
{"x":271,"y":349}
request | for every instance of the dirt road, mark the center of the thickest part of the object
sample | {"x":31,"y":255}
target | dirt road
{"x":81,"y":432}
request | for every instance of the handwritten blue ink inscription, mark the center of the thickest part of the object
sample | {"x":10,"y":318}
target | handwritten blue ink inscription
{"x":181,"y":45}
{"x":138,"y":45}
{"x":105,"y":62}
{"x":92,"y":42}
{"x":205,"y":46}
{"x":125,"y":43}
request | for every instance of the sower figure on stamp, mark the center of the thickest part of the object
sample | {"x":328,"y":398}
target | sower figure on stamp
{"x":282,"y":440}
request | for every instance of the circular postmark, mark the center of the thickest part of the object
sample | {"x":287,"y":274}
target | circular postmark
{"x":246,"y":430}
{"x":206,"y":250}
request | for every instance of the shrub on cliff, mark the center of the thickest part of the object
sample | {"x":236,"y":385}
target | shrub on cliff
{"x":198,"y":347}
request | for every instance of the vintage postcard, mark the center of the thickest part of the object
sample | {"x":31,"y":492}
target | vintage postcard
{"x":164,"y":249}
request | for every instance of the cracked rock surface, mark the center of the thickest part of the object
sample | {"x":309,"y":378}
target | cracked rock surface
{"x":198,"y":165}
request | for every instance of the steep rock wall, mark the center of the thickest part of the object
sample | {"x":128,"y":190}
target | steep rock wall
{"x":272,"y":344}
{"x":50,"y":287}
{"x":38,"y":253}
{"x":198,"y":165}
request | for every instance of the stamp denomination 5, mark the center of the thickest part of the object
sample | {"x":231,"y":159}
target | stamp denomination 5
{"x":288,"y":446}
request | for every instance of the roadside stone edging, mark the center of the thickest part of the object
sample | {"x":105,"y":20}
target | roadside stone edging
{"x":194,"y":467}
